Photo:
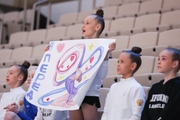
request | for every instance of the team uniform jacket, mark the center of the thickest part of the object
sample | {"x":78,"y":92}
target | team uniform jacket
{"x":30,"y":111}
{"x":15,"y":95}
{"x":163,"y":101}
{"x":125,"y":101}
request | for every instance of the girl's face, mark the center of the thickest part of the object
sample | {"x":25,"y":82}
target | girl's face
{"x":30,"y":77}
{"x":165,"y":62}
{"x":90,"y":27}
{"x":125,"y":67}
{"x":13,"y":77}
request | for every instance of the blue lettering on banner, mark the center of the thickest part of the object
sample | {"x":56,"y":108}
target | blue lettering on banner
{"x":48,"y":56}
{"x":43,"y":68}
{"x":35,"y":86}
{"x":30,"y":95}
{"x":40,"y":76}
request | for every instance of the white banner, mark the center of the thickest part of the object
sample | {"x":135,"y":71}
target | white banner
{"x":66,"y":72}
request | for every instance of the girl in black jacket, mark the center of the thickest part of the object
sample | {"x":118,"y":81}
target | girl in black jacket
{"x":163,"y":102}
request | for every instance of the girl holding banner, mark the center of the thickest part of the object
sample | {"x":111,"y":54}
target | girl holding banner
{"x":92,"y":28}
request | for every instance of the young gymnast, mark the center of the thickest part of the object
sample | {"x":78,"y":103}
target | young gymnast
{"x":126,"y":99}
{"x":92,"y":28}
{"x":31,"y":111}
{"x":163,"y":98}
{"x":16,"y":76}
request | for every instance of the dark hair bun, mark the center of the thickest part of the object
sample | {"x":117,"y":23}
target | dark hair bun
{"x":26,"y":64}
{"x":136,"y":50}
{"x":100,"y":13}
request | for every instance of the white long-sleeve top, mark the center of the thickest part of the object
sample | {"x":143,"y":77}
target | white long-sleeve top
{"x":125,"y":101}
{"x":49,"y":114}
{"x":15,"y":95}
{"x":97,"y":82}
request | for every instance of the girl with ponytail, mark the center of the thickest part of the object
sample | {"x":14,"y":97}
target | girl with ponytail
{"x":15,"y":78}
{"x":126,"y":99}
{"x":92,"y":27}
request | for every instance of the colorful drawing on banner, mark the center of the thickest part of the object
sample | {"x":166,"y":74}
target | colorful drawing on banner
{"x":68,"y":77}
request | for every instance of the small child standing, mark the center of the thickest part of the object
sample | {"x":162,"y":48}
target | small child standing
{"x":163,"y":102}
{"x":16,"y":76}
{"x":126,"y":99}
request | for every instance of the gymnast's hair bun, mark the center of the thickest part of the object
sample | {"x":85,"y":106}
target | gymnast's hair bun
{"x":26,"y":64}
{"x":100,"y":13}
{"x":136,"y":50}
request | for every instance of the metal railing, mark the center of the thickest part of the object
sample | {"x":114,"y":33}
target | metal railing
{"x":38,"y":4}
{"x":1,"y":30}
{"x":80,"y":3}
{"x":24,"y":19}
{"x":94,"y":4}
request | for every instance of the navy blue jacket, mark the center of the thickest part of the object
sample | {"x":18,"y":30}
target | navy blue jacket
{"x":30,"y":111}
